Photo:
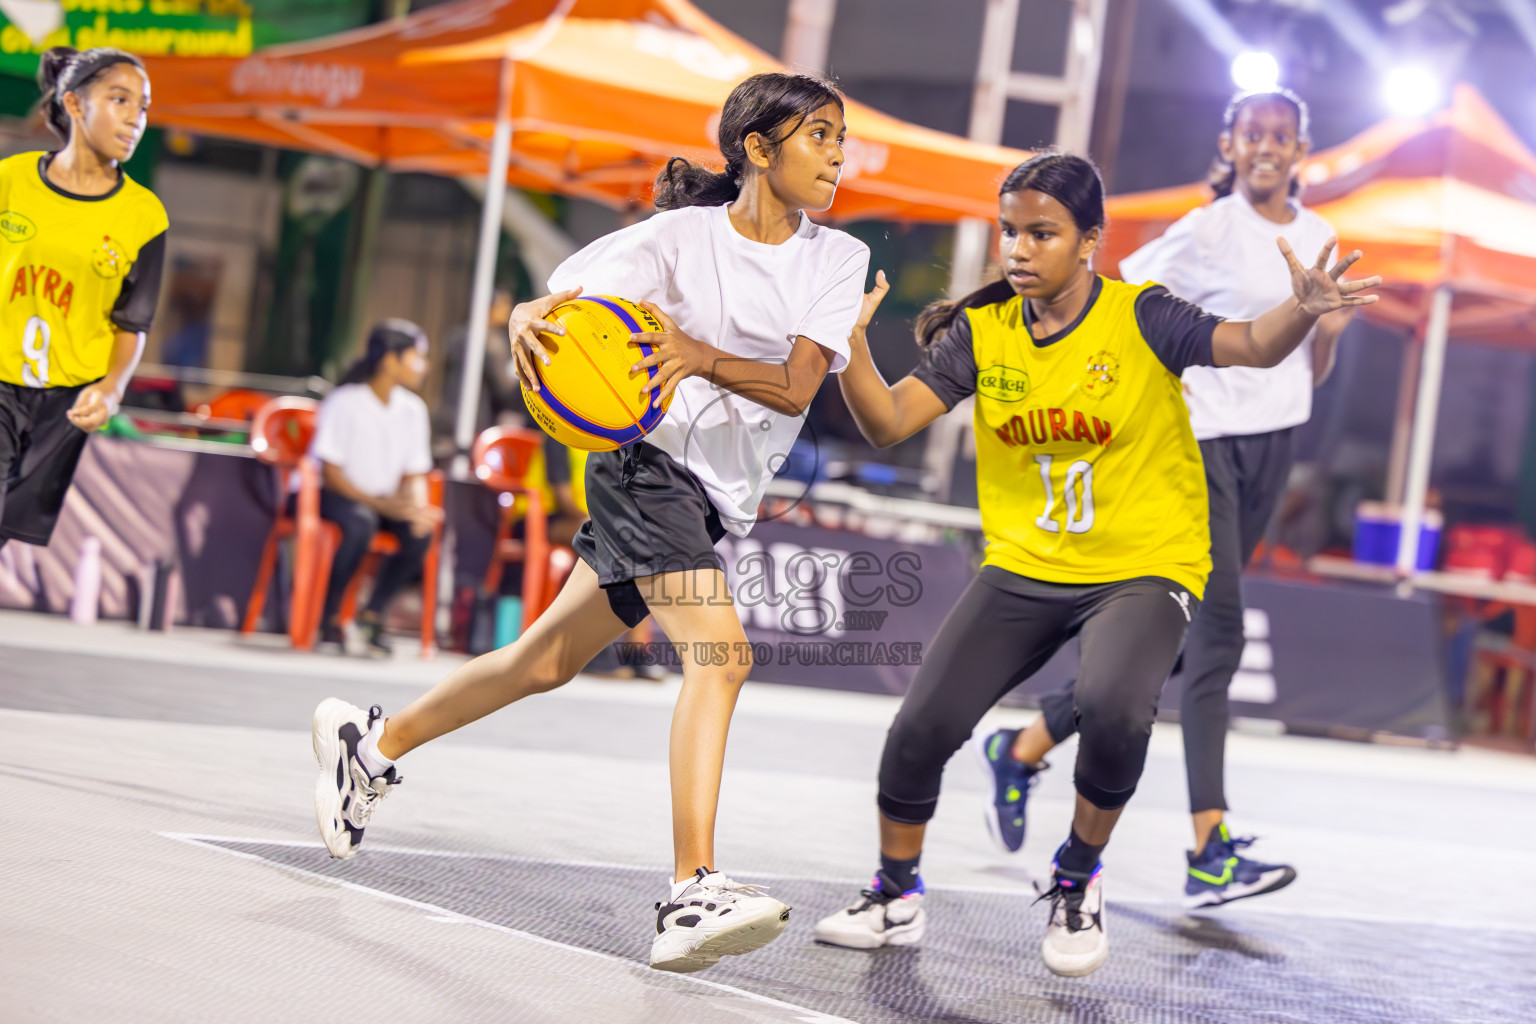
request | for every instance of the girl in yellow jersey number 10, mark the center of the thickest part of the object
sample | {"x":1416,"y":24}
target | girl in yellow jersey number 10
{"x":81,"y":251}
{"x":1094,"y":507}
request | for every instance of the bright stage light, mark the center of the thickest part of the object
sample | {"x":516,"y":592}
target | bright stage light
{"x":1411,"y":91}
{"x":1255,"y":71}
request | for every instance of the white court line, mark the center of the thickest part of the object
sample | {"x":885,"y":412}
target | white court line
{"x":1513,"y":927}
{"x":444,"y":914}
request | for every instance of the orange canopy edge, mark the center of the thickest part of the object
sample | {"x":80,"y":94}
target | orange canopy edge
{"x":1444,"y":200}
{"x":599,"y":93}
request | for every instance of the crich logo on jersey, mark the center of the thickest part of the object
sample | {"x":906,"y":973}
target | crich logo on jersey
{"x":17,"y":227}
{"x":1003,"y":383}
{"x":107,"y":257}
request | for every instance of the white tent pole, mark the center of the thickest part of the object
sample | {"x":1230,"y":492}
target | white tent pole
{"x":807,"y":33}
{"x":485,"y":270}
{"x":1422,"y":450}
{"x":1402,"y":419}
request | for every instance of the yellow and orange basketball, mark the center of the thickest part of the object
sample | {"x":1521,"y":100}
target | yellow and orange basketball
{"x":586,"y":397}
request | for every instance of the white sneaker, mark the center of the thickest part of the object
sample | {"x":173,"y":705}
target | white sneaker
{"x":879,"y":918}
{"x":1075,"y":943}
{"x":345,"y":794}
{"x":711,"y":918}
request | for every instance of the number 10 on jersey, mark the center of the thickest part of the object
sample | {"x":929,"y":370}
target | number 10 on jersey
{"x":1077,"y":490}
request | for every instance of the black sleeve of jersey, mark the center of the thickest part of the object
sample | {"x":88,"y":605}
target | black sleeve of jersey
{"x":948,"y":366}
{"x":1179,"y":332}
{"x":557,"y":463}
{"x":135,"y":307}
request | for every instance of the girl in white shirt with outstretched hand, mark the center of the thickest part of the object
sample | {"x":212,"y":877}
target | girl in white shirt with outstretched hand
{"x":757,"y":302}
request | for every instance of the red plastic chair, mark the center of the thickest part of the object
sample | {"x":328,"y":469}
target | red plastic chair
{"x":502,"y":457}
{"x":1480,"y":550}
{"x":238,"y":404}
{"x":280,"y":436}
{"x":1502,"y":681}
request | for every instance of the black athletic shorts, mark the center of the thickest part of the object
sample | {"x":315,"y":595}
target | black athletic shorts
{"x":649,"y":515}
{"x":39,"y":449}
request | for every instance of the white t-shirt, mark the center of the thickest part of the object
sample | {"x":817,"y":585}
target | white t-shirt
{"x":374,"y":444}
{"x":1223,"y":258}
{"x":746,"y":298}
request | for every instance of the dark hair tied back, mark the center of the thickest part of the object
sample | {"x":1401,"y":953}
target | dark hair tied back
{"x":1071,"y":180}
{"x":63,"y":69}
{"x":387,"y":338}
{"x":773,"y":105}
{"x":1222,"y":176}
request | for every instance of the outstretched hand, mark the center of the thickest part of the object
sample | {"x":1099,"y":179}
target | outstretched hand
{"x":1319,"y":289}
{"x":872,"y":300}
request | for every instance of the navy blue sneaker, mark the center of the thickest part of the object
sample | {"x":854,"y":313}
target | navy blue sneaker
{"x":1219,"y":875}
{"x":1011,"y":782}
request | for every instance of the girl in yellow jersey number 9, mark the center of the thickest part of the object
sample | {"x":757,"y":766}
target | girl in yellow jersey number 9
{"x":106,"y":120}
{"x":80,"y":270}
{"x":1093,"y":503}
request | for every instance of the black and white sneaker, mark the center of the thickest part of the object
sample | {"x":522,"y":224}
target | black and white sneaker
{"x":711,"y":918}
{"x":1075,"y":942}
{"x":345,"y":794}
{"x":882,"y":916}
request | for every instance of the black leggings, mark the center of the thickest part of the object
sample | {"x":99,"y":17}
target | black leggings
{"x":1245,"y":477}
{"x":1003,"y":629}
{"x":358,"y":524}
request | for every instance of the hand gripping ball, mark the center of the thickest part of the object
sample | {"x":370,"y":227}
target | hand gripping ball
{"x":587,"y":398}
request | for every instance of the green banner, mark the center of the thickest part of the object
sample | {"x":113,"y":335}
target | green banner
{"x":187,"y":28}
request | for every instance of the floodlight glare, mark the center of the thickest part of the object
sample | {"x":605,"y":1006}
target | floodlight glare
{"x":1411,"y":91}
{"x":1255,"y":71}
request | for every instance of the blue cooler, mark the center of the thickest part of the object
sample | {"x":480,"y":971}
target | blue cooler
{"x":1378,"y":527}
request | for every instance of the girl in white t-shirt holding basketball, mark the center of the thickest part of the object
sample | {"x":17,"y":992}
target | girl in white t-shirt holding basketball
{"x":758,"y":303}
{"x":1222,"y":258}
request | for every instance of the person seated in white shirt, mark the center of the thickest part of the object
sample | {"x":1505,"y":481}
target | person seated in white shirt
{"x":373,"y":447}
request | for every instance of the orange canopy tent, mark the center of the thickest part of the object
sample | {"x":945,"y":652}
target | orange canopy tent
{"x":598,"y":94}
{"x":1444,"y":209}
{"x":583,"y":97}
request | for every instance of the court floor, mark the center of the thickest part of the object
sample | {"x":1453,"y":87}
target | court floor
{"x":159,"y":862}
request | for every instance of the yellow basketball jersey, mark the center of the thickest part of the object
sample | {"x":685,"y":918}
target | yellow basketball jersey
{"x":66,"y":268}
{"x":1087,"y":469}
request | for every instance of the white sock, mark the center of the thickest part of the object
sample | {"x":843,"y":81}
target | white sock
{"x":368,"y":752}
{"x":678,"y":887}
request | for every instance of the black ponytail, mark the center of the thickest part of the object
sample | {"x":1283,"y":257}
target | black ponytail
{"x":1222,"y":176}
{"x":49,"y":68}
{"x":1073,"y":181}
{"x":774,"y":105}
{"x":684,"y":183}
{"x":391,"y":336}
{"x":63,"y":69}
